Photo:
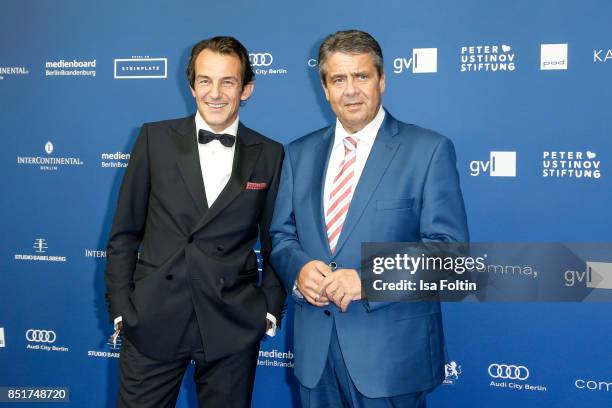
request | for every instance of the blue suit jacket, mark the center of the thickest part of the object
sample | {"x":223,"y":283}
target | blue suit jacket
{"x":408,"y":192}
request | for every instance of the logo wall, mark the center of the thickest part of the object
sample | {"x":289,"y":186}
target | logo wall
{"x":42,"y":339}
{"x":141,"y":67}
{"x":40,"y":248}
{"x":70,"y":68}
{"x":11,"y":71}
{"x":488,"y":58}
{"x":571,"y":164}
{"x":114,"y":160}
{"x":593,"y":385}
{"x":95,"y":253}
{"x":49,"y":162}
{"x":451,"y":373}
{"x":263,"y":64}
{"x":113,"y":353}
{"x":275,"y":358}
{"x":423,"y":61}
{"x":553,"y":57}
{"x":597,"y":275}
{"x":602,"y":55}
{"x":500,"y":164}
{"x":511,"y":376}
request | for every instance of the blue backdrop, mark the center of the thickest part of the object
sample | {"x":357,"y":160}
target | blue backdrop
{"x":521,"y":87}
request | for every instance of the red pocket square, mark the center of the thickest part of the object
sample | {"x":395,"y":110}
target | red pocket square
{"x":256,"y":186}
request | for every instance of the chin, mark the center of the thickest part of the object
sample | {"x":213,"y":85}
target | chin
{"x":216,"y":118}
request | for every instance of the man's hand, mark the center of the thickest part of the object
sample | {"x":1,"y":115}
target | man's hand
{"x":342,"y":287}
{"x":113,"y":338}
{"x":309,"y":282}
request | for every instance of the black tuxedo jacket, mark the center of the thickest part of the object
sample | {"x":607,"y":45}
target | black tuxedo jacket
{"x":193,"y":257}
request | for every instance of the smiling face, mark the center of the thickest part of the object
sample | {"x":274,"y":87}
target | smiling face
{"x":218,"y":88}
{"x":353,"y":88}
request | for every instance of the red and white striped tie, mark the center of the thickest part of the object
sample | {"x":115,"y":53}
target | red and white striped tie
{"x":342,"y":193}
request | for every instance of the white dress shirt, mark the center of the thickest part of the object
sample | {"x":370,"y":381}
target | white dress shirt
{"x":216,"y":160}
{"x":365,"y":139}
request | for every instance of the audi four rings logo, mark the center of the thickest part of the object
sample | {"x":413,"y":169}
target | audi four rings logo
{"x":40,"y":336}
{"x":508,"y":372}
{"x":262,"y":59}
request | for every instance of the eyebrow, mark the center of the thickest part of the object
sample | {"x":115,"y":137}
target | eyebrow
{"x":222,"y":79}
{"x":353,"y":74}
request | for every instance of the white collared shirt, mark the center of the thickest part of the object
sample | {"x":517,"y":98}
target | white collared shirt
{"x":216,"y":160}
{"x":365,"y":140}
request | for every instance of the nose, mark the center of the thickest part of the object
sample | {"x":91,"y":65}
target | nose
{"x":351,"y":87}
{"x":215,"y":91}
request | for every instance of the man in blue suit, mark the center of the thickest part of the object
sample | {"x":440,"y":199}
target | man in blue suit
{"x":367,"y":178}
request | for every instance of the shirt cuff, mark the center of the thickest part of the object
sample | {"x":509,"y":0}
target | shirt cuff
{"x":296,"y":291}
{"x":116,"y":322}
{"x":272,"y":330}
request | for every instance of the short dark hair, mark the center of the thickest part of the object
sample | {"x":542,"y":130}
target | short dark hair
{"x":350,"y":42}
{"x":222,"y":45}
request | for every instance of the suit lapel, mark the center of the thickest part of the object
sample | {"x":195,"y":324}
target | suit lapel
{"x":323,"y":149}
{"x":381,"y":155}
{"x":188,"y":161}
{"x":245,"y":157}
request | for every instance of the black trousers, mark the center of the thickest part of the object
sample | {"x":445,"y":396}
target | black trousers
{"x":226,"y":382}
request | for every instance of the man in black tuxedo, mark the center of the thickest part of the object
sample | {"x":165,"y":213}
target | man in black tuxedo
{"x":197,"y":193}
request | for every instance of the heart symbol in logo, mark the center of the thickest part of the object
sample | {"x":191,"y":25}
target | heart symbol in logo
{"x":591,"y":155}
{"x":506,"y":48}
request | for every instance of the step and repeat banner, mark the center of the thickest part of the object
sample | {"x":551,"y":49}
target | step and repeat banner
{"x":522,"y":88}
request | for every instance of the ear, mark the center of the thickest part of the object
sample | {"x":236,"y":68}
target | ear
{"x":192,"y":91}
{"x":381,"y":83}
{"x":325,"y":90}
{"x":247,"y":90}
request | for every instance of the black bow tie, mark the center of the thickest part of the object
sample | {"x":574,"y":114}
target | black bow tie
{"x":204,"y":136}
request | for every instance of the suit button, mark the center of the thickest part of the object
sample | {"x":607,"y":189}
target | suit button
{"x":169,"y":277}
{"x":220,"y":248}
{"x":327,"y":312}
{"x":221,"y":281}
{"x":190,"y":239}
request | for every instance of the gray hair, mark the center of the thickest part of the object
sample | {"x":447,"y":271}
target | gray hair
{"x":350,"y":42}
